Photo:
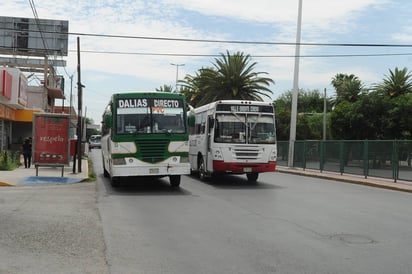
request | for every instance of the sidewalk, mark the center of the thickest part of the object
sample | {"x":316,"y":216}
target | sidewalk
{"x":46,"y":175}
{"x":349,"y":178}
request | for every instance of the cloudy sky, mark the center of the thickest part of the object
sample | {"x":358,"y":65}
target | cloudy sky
{"x":266,"y":28}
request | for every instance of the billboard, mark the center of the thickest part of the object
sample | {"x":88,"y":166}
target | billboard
{"x":50,"y":138}
{"x":37,"y":36}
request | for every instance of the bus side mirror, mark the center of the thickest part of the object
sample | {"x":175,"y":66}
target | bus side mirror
{"x":191,"y":120}
{"x":107,"y":120}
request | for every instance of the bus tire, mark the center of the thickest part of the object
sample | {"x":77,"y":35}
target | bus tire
{"x":174,"y":180}
{"x":105,"y":173}
{"x":115,"y":182}
{"x":252,"y":177}
{"x":202,"y":169}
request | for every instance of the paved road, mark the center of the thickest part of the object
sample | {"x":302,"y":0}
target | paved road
{"x":284,"y":224}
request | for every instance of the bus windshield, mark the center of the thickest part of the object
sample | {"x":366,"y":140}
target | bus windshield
{"x":150,"y":118}
{"x":245,"y":128}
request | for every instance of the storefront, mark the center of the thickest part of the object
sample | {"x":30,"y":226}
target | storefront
{"x":15,"y":126}
{"x":7,"y":115}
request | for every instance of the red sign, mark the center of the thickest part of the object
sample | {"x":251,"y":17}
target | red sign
{"x":51,"y":138}
{"x":6,"y":84}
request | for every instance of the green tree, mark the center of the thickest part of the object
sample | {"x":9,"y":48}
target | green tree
{"x":399,"y":117}
{"x":348,"y":88}
{"x":309,"y":124}
{"x":380,"y":114}
{"x":397,"y":83}
{"x":231,"y":77}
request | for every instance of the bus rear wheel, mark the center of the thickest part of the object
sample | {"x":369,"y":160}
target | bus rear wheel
{"x":174,"y":180}
{"x":252,"y":177}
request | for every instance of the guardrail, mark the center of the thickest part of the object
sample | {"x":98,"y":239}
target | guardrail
{"x":391,"y":159}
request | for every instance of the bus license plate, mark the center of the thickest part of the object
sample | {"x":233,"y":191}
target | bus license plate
{"x":154,"y":171}
{"x":247,"y":169}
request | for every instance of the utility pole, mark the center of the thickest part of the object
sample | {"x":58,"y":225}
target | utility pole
{"x":71,"y":89}
{"x":294,"y":110}
{"x":79,"y":110}
{"x":177,"y":72}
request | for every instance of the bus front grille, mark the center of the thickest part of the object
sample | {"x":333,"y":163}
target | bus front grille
{"x":152,"y":151}
{"x":247,"y":153}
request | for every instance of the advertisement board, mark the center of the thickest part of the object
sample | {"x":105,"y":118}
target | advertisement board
{"x":29,"y":35}
{"x":50,"y":138}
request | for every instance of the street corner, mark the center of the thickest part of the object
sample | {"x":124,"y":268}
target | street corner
{"x":5,"y":184}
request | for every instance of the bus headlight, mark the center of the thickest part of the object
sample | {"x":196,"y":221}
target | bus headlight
{"x":217,"y":155}
{"x":119,"y":161}
{"x":184,"y":159}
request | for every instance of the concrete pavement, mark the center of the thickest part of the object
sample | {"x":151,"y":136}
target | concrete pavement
{"x":46,"y":175}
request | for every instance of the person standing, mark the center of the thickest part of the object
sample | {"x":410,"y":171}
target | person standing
{"x":27,"y":153}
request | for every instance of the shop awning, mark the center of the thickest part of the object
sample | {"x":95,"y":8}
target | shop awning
{"x":25,"y":115}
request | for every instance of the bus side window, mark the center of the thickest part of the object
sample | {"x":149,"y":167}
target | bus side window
{"x":200,"y":123}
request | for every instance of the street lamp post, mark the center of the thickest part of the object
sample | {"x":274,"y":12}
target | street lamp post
{"x":177,"y":72}
{"x":324,"y":115}
{"x":295,"y":92}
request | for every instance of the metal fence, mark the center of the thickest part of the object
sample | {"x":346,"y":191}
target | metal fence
{"x":376,"y":158}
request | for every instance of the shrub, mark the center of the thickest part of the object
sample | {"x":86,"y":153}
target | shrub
{"x":9,"y":160}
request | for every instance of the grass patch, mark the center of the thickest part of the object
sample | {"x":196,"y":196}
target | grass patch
{"x":9,"y":160}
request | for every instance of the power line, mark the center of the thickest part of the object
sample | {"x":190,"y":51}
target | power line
{"x":241,"y":42}
{"x":228,"y":41}
{"x":36,"y":18}
{"x":255,"y":56}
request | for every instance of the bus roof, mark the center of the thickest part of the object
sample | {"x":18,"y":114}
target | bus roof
{"x":148,"y":94}
{"x":230,"y":102}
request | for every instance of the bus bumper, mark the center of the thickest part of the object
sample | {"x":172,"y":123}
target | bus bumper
{"x":123,"y":171}
{"x":220,"y":166}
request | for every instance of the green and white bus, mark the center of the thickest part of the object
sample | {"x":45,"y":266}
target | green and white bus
{"x":145,"y":134}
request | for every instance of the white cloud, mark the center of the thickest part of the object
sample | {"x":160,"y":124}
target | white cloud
{"x":323,"y":20}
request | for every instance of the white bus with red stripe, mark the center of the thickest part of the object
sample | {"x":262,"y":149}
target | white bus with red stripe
{"x":232,"y":136}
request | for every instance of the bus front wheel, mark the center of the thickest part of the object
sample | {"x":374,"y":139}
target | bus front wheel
{"x":202,"y":169}
{"x":252,"y":177}
{"x":115,"y":182}
{"x":174,"y":180}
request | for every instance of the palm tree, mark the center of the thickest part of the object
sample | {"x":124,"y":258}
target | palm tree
{"x":165,"y":88}
{"x":232,"y":77}
{"x":398,"y":82}
{"x":348,"y":88}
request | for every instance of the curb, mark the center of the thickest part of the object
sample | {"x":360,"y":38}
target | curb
{"x":5,"y":184}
